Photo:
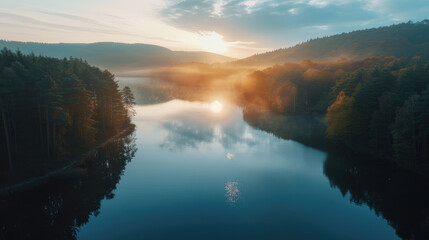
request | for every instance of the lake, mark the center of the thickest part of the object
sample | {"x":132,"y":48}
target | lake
{"x":198,"y":170}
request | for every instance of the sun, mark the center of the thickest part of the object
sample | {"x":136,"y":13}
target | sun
{"x":212,"y":42}
{"x":216,"y":107}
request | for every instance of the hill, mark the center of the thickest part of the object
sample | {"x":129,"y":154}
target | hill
{"x":116,"y":57}
{"x":402,"y":40}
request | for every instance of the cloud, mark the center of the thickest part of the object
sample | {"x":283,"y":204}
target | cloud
{"x":247,"y":26}
{"x":318,"y":3}
{"x":90,"y":26}
{"x":217,"y":8}
{"x":57,"y":26}
{"x":283,"y":23}
{"x":293,"y":11}
{"x":76,"y":18}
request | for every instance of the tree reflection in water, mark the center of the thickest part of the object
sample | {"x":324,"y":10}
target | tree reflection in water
{"x":400,"y":197}
{"x":58,"y":208}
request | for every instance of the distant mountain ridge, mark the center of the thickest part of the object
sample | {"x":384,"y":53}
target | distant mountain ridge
{"x":116,"y":56}
{"x":401,"y":40}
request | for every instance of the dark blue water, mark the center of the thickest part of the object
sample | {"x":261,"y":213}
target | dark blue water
{"x":203,"y":174}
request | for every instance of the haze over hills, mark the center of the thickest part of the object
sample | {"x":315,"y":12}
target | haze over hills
{"x":402,"y":40}
{"x":116,"y":56}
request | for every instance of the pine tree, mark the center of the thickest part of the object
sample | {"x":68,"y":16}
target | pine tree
{"x":6,"y":95}
{"x":128,"y":101}
{"x":53,"y":108}
{"x":77,"y":104}
{"x":422,"y":125}
{"x":50,"y":100}
{"x":340,"y":118}
{"x":404,"y":133}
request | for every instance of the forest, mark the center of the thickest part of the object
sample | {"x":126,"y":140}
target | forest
{"x":297,"y":88}
{"x":377,"y":105}
{"x":385,"y":111}
{"x":399,"y":40}
{"x":53,"y":110}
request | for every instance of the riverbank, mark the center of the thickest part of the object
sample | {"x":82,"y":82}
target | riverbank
{"x":83,"y":156}
{"x":310,"y":130}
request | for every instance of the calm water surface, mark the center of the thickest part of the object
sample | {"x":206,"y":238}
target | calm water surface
{"x":203,"y":174}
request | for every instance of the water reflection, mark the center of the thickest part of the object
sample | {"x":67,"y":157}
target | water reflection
{"x":58,"y":208}
{"x":232,"y":193}
{"x":309,"y":129}
{"x":182,"y":184}
{"x":188,"y":125}
{"x":181,"y":136}
{"x":400,"y":197}
{"x":216,"y":107}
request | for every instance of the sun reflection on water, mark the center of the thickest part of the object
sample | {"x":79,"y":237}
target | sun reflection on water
{"x":232,"y":193}
{"x":216,"y":107}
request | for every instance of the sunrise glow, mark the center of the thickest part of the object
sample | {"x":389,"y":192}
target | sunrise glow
{"x":216,"y":107}
{"x":212,"y":42}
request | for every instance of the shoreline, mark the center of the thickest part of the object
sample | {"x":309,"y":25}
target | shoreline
{"x":263,"y":118}
{"x":72,"y":163}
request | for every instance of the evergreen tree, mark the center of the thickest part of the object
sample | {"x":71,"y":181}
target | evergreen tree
{"x":53,"y":110}
{"x":129,"y":101}
{"x":422,"y":125}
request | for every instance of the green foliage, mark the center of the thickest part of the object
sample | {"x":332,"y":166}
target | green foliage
{"x":310,"y":86}
{"x":340,"y":118}
{"x":422,"y":125}
{"x":375,"y":105}
{"x":404,"y":133}
{"x":389,"y":114}
{"x":54,"y":109}
{"x":129,"y":101}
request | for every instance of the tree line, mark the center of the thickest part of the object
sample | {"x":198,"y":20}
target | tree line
{"x":297,"y":88}
{"x":55,"y":109}
{"x":375,"y":105}
{"x":398,"y":40}
{"x":385,"y":111}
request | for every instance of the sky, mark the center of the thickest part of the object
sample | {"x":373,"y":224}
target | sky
{"x":235,"y":28}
